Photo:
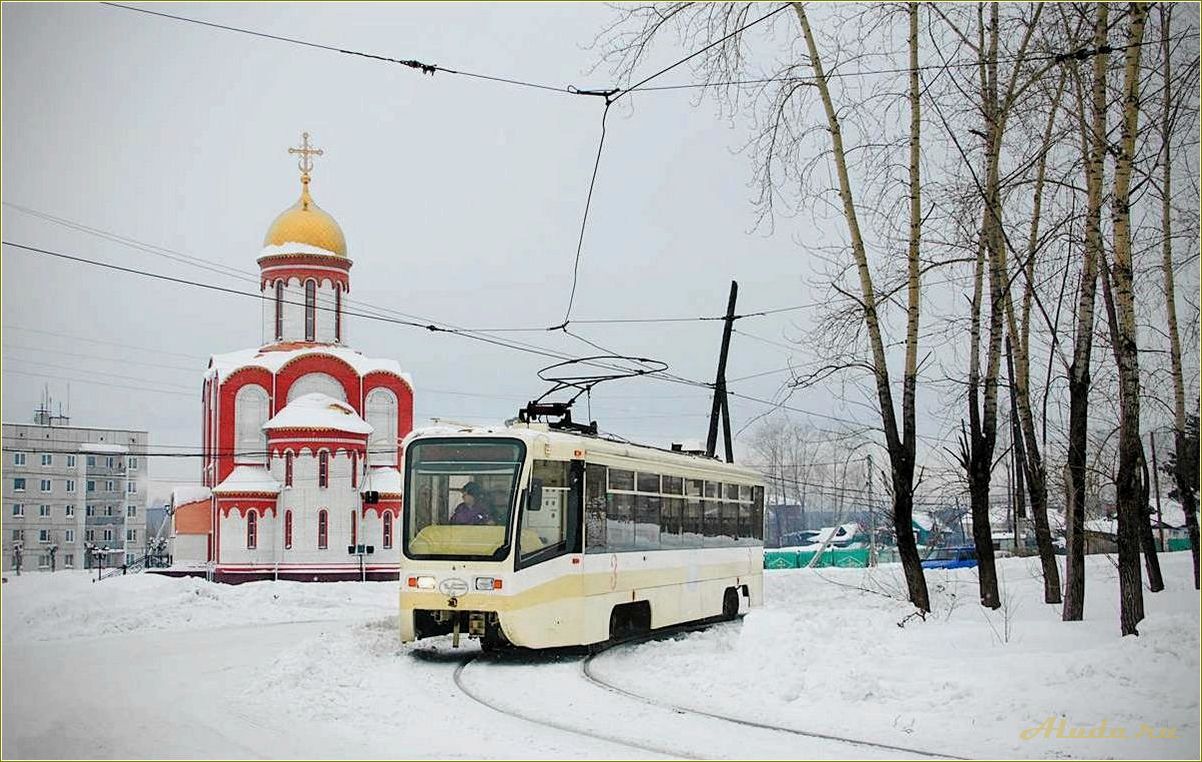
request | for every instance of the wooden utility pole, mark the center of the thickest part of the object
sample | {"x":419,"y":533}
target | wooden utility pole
{"x":721,"y":403}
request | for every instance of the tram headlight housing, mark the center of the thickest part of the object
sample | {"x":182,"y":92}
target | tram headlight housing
{"x":422,"y":583}
{"x":488,"y":583}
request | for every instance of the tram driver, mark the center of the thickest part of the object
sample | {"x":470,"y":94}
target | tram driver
{"x":472,"y":508}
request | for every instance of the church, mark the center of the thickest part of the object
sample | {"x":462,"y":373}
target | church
{"x":300,"y":444}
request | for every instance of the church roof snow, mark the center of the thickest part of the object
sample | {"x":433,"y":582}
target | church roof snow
{"x":383,"y":479}
{"x":221,"y":366}
{"x":318,"y":411}
{"x":248,"y":479}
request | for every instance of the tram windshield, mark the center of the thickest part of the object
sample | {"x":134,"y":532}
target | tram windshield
{"x":459,"y":497}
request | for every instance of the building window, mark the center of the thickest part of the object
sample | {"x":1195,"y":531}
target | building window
{"x":44,"y":511}
{"x":288,"y":469}
{"x":108,"y":535}
{"x":43,"y":535}
{"x":90,"y":510}
{"x":129,"y":558}
{"x":323,"y":469}
{"x":70,"y":485}
{"x":109,"y":462}
{"x":69,"y":561}
{"x":109,"y":486}
{"x":89,"y":535}
{"x":131,"y":535}
{"x":18,"y":485}
{"x":338,"y":312}
{"x":70,"y":461}
{"x":387,"y":529}
{"x":380,"y":410}
{"x":47,"y":459}
{"x":18,"y":535}
{"x":18,"y":510}
{"x":323,"y":529}
{"x":354,"y":470}
{"x":132,"y":464}
{"x":279,"y":310}
{"x":287,"y":529}
{"x":252,"y":530}
{"x":131,"y":488}
{"x":91,"y":486}
{"x":19,"y":458}
{"x":354,"y":527}
{"x":70,"y":511}
{"x":69,"y":535}
{"x":91,"y":460}
{"x":45,"y":485}
{"x":108,"y":510}
{"x":310,"y":310}
{"x":131,"y":511}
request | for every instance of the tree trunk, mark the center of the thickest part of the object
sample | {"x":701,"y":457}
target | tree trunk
{"x":1019,"y":356}
{"x":1185,"y":489}
{"x":1093,"y":149}
{"x":901,"y":458}
{"x":1128,"y":487}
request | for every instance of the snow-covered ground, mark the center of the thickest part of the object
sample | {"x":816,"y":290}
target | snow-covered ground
{"x":146,"y":666}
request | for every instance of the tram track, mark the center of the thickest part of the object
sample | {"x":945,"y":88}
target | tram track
{"x":591,"y":677}
{"x":509,"y":711}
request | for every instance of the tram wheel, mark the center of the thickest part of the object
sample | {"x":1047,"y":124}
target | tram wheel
{"x":730,"y":604}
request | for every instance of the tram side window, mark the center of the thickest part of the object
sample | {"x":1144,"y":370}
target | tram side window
{"x":595,"y":509}
{"x":544,"y":524}
{"x":646,"y":520}
{"x":746,"y":524}
{"x":694,"y":533}
{"x":648,"y":483}
{"x":712,"y":520}
{"x":619,"y":524}
{"x":673,"y":485}
{"x":670,"y":522}
{"x":712,"y":490}
{"x":730,"y":491}
{"x":730,"y":523}
{"x":758,"y":504}
{"x":621,"y":479}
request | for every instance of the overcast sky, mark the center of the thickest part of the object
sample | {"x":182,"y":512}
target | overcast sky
{"x":460,"y":200}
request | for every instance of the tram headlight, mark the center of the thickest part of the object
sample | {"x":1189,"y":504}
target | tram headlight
{"x":488,"y":583}
{"x":422,"y":583}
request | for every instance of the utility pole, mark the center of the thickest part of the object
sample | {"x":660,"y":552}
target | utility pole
{"x":1156,"y":486}
{"x":871,"y":517}
{"x":721,"y":404}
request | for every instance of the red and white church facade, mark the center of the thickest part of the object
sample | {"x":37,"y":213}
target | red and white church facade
{"x":299,"y":431}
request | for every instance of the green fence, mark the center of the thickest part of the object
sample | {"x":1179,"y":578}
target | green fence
{"x":796,"y":559}
{"x":1179,"y":543}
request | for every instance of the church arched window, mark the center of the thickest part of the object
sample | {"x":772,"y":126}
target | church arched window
{"x":287,"y":529}
{"x":381,"y":410}
{"x":387,"y":516}
{"x":279,"y":310}
{"x":323,"y":529}
{"x":338,"y":312}
{"x":252,"y":530}
{"x":323,"y":468}
{"x":250,"y":413}
{"x":310,"y":310}
{"x":288,"y":469}
{"x":317,"y":382}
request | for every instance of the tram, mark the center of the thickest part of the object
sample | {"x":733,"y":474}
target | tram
{"x":534,"y":537}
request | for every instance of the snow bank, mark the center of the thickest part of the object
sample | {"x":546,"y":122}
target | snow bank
{"x":837,"y":651}
{"x":67,"y":605}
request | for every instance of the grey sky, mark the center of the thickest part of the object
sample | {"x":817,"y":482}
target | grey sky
{"x":460,"y":200}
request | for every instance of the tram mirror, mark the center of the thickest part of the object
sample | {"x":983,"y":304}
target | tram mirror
{"x":534,"y":496}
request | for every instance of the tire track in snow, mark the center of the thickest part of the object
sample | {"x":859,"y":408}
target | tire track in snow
{"x":588,"y":674}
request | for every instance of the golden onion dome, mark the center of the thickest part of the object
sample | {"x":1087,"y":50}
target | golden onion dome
{"x":305,"y":222}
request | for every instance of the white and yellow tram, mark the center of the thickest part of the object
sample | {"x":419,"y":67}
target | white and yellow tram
{"x":540,"y":538}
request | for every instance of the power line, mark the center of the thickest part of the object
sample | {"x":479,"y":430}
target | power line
{"x":424,"y":68}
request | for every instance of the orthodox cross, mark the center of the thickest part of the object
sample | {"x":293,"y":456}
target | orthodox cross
{"x":307,"y":153}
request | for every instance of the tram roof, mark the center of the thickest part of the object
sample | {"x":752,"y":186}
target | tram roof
{"x":564,"y":444}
